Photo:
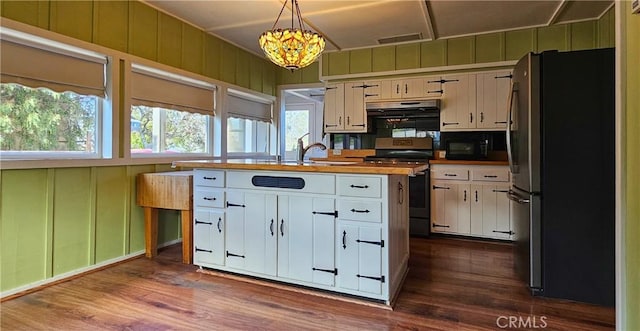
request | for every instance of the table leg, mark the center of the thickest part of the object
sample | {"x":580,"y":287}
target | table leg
{"x":150,"y":231}
{"x":186,"y":217}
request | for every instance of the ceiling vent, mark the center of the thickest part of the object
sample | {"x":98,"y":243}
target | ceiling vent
{"x":399,"y":39}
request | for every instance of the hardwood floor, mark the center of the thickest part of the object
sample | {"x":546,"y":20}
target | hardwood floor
{"x":452,"y":285}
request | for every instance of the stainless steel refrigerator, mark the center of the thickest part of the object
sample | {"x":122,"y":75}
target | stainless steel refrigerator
{"x":560,"y":142}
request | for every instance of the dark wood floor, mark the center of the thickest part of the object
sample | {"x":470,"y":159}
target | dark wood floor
{"x":452,"y":285}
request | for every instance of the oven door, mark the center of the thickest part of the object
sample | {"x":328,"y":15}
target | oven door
{"x":419,"y":209}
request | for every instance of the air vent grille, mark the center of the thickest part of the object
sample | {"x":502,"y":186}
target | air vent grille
{"x":399,"y":39}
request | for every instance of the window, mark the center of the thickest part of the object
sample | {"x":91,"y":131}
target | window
{"x":170,"y":114}
{"x":302,"y":115}
{"x":51,"y":99}
{"x":296,"y":124}
{"x":249,"y":125}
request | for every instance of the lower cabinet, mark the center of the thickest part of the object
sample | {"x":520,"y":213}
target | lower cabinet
{"x":359,"y":257}
{"x":344,"y":233}
{"x":473,"y":204}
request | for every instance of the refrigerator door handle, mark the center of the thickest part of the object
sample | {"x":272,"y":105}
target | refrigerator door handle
{"x":514,"y":90}
{"x":513,"y":196}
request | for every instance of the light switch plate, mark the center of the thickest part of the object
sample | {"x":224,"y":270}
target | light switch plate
{"x":337,"y":152}
{"x":442,"y":154}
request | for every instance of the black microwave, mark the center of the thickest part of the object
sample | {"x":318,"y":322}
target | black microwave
{"x":466,"y":149}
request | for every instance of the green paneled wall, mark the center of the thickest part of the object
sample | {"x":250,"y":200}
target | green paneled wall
{"x":632,"y":166}
{"x":135,"y":28}
{"x":484,"y":48}
{"x":54,"y":221}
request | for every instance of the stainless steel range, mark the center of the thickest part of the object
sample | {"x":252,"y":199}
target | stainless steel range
{"x":410,"y":151}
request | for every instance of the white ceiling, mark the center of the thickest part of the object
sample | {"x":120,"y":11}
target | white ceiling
{"x":349,"y":24}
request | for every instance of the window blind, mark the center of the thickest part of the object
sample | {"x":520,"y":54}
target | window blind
{"x":53,"y":66}
{"x":239,"y":107}
{"x":155,"y":88}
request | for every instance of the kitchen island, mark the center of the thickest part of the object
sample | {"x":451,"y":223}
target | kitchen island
{"x":342,"y":228}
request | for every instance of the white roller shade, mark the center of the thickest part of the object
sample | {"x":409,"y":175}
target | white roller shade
{"x":153,"y":88}
{"x":61,"y":70}
{"x":248,"y":109}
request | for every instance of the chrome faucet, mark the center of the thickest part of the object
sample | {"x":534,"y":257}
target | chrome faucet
{"x":303,"y":150}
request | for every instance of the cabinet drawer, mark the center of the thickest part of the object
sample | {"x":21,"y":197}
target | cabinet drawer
{"x":211,"y":178}
{"x":359,"y":210}
{"x":355,"y":186}
{"x":490,"y":175}
{"x":208,"y":198}
{"x":450,"y":173}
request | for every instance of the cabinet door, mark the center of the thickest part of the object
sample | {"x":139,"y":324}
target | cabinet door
{"x":413,"y":88}
{"x":387,"y":89}
{"x":477,"y":210}
{"x":458,"y":103}
{"x":464,"y":209}
{"x":323,"y":214}
{"x":444,"y":204}
{"x":354,"y":111}
{"x":500,"y":226}
{"x":372,"y":90}
{"x":360,"y":258}
{"x":334,"y":107}
{"x":208,"y":237}
{"x":260,"y":244}
{"x":397,"y":86}
{"x":234,"y":251}
{"x":433,"y":87}
{"x":492,"y":96}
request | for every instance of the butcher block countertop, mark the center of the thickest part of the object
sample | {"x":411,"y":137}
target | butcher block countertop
{"x":465,"y":162}
{"x":270,"y":165}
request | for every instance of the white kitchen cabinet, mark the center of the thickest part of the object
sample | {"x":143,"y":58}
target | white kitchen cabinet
{"x":458,"y":110}
{"x":250,"y":237}
{"x":471,"y":201}
{"x":359,"y":257}
{"x":208,"y":236}
{"x":209,"y":226}
{"x":405,"y":88}
{"x":493,"y":90}
{"x":355,"y":117}
{"x":334,"y":107}
{"x":306,"y":236}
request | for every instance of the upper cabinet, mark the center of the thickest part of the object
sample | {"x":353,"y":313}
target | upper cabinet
{"x":470,"y":101}
{"x":492,"y":99}
{"x":475,"y":101}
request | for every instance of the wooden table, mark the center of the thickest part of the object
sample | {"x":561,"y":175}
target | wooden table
{"x":166,"y":190}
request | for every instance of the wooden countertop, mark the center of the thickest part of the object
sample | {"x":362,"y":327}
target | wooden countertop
{"x":466,"y":162}
{"x":269,"y":165}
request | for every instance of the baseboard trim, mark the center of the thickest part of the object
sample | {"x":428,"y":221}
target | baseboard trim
{"x":67,"y":276}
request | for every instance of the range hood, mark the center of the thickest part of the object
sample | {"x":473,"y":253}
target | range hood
{"x":404,"y":108}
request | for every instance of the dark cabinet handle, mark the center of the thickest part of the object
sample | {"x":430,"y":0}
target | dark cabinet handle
{"x":334,"y":271}
{"x":203,"y":250}
{"x":500,"y":122}
{"x":505,"y":232}
{"x":362,"y":125}
{"x":398,"y":89}
{"x":379,"y":243}
{"x":441,"y":187}
{"x":348,"y":120}
{"x":500,"y":191}
{"x":282,"y":227}
{"x":470,"y":117}
{"x":490,"y":176}
{"x":200,"y":222}
{"x":439,"y":226}
{"x":219,"y":221}
{"x":406,"y":88}
{"x":234,"y":205}
{"x":271,"y":227}
{"x":359,"y":211}
{"x":236,"y":255}
{"x":359,"y":186}
{"x":380,"y":279}
{"x":344,"y":239}
{"x":340,"y":120}
{"x":330,"y":125}
{"x":370,"y":95}
{"x":465,"y":195}
{"x":435,"y":91}
{"x":400,"y":193}
{"x":329,"y":213}
{"x":450,"y":123}
{"x":451,"y":175}
{"x":330,"y":88}
{"x":476,"y":195}
{"x":506,"y":76}
{"x":481,"y":117}
{"x":209,"y":199}
{"x":209,"y":178}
